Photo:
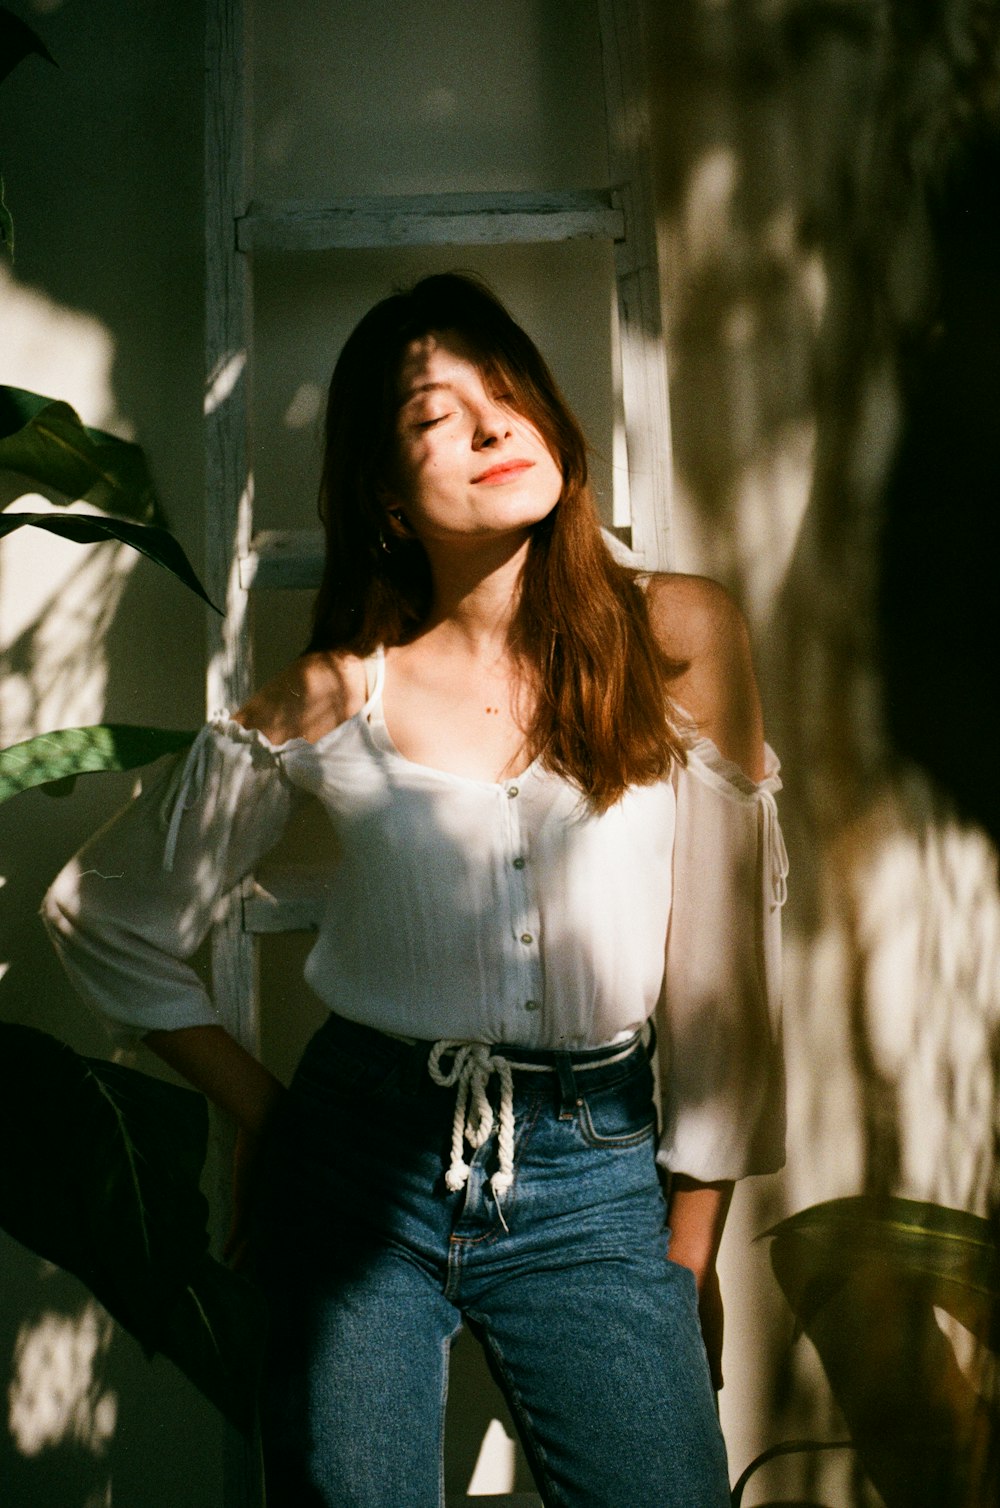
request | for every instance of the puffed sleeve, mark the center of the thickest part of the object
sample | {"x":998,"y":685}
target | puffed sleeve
{"x":721,"y":1071}
{"x":133,"y":905}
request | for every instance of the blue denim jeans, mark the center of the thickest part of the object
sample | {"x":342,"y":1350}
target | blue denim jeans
{"x":372,"y":1266}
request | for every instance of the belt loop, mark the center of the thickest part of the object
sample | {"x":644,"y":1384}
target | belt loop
{"x":569,"y":1096}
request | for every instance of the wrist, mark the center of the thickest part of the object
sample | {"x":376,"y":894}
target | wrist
{"x":697,"y":1215}
{"x":697,"y":1255}
{"x":259,"y":1107}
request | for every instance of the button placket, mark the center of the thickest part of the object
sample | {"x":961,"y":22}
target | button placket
{"x":524,"y":919}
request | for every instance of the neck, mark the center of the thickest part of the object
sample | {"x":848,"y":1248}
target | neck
{"x":475,"y":594}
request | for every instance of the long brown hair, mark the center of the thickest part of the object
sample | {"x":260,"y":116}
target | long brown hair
{"x":603,"y":716}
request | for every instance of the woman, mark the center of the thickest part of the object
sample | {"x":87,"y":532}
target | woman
{"x":535,"y":846}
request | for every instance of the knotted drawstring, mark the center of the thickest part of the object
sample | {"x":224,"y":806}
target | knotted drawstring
{"x":775,"y":852}
{"x":470,"y":1074}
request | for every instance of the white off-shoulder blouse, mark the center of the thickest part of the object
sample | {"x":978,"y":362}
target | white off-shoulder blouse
{"x":457,"y":908}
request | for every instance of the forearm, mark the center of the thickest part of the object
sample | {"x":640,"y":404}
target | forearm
{"x":697,"y":1216}
{"x":214,"y":1062}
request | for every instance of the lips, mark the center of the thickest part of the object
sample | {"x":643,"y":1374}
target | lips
{"x":503,"y":471}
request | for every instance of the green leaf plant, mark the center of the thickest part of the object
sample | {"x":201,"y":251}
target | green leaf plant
{"x":90,"y":528}
{"x":105,"y":1184}
{"x":17,"y":41}
{"x":105,"y":1180}
{"x":101,"y":1165}
{"x":54,"y":760}
{"x":863,"y":1277}
{"x":46,"y":442}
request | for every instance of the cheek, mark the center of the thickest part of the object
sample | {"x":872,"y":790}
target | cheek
{"x":412,"y":467}
{"x":558,"y":481}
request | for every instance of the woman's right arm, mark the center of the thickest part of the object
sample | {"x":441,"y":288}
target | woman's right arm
{"x":127,"y":913}
{"x":232,"y":1078}
{"x":214,"y":1062}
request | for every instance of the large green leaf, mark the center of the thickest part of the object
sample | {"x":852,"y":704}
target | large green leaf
{"x":951,"y":1254}
{"x":93,"y":528}
{"x":100,"y":1174}
{"x":68,"y":752}
{"x":864,"y":1277}
{"x":17,"y":41}
{"x":45,"y":441}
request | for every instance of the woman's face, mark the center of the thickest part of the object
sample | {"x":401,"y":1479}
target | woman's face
{"x":467,"y":467}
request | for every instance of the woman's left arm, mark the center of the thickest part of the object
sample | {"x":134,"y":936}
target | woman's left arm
{"x":698,"y":624}
{"x":697,"y":1215}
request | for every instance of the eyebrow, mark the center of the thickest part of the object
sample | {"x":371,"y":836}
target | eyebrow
{"x":424,"y":387}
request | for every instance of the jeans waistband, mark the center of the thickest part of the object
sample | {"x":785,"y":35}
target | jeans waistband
{"x":467,"y":1066}
{"x":414,"y":1052}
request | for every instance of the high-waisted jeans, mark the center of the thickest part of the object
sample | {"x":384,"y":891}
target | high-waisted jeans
{"x":372,"y":1265}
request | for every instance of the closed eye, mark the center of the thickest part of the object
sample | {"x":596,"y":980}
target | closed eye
{"x":429,"y":423}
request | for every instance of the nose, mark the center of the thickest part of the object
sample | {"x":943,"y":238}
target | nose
{"x":493,"y":424}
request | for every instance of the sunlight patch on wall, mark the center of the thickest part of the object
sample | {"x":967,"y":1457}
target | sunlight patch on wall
{"x":927,"y":933}
{"x":59,"y":352}
{"x":707,"y":205}
{"x":56,"y":1394}
{"x":58,"y":597}
{"x":772,"y":497}
{"x":768,"y":506}
{"x":495,"y":1464}
{"x":893,"y":1010}
{"x":222,"y":381}
{"x":305,"y":407}
{"x":56,"y":606}
{"x":825,"y":1145}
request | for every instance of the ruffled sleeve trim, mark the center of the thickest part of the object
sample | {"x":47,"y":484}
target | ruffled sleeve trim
{"x":706,"y":764}
{"x":221,"y":736}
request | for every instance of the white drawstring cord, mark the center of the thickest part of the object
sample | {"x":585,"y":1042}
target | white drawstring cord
{"x":469,"y":1075}
{"x":471,"y":1070}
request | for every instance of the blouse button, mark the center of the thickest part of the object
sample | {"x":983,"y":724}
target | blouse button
{"x":526,"y":937}
{"x":532,"y":1005}
{"x":519,"y":863}
{"x":512,"y":790}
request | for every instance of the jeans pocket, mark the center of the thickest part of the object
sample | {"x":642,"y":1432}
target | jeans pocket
{"x":620,"y":1114}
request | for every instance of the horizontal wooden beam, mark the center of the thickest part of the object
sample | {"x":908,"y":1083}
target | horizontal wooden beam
{"x":288,"y":898}
{"x":431,"y":220}
{"x":283,"y":560}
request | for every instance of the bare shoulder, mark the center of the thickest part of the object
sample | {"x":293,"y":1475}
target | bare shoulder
{"x":693,"y":615}
{"x":310,"y":696}
{"x":698,"y":623}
